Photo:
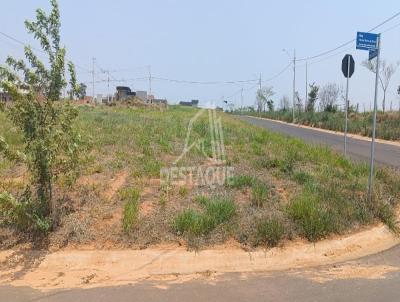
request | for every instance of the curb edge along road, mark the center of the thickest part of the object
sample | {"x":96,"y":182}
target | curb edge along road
{"x":121,"y":267}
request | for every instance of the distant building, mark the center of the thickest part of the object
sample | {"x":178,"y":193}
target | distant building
{"x":124,"y":93}
{"x":192,"y":103}
{"x":6,"y":97}
{"x":142,"y":95}
{"x":160,"y":102}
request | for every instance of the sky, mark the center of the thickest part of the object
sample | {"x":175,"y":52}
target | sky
{"x":213,"y":41}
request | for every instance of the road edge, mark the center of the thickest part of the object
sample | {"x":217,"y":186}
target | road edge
{"x":338,"y":133}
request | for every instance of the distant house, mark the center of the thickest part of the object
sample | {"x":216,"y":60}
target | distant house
{"x":124,"y":93}
{"x":192,"y":103}
{"x":142,"y":95}
{"x":162,"y":102}
{"x":6,"y":97}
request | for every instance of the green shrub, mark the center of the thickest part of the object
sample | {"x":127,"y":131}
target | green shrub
{"x":183,"y":191}
{"x":302,"y":177}
{"x":194,"y":223}
{"x":131,"y":208}
{"x":240,"y":181}
{"x":387,"y":215}
{"x":51,"y":144}
{"x":202,"y":199}
{"x":220,"y":209}
{"x":259,"y":194}
{"x":312,"y":219}
{"x":22,"y":213}
{"x":270,"y":232}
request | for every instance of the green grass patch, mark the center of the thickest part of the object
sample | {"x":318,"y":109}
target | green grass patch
{"x":259,"y":194}
{"x":131,"y":208}
{"x":199,"y":223}
{"x":269,"y":232}
{"x":240,"y":181}
{"x":310,"y":216}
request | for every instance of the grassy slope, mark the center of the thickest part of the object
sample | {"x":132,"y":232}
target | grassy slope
{"x":388,"y":124}
{"x":283,"y":187}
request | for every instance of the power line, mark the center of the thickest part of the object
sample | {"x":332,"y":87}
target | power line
{"x":204,"y":82}
{"x":37,"y":49}
{"x":348,"y":42}
{"x":278,"y":74}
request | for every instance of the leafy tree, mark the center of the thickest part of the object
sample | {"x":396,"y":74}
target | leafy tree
{"x":270,"y":105}
{"x":82,"y":91}
{"x":50,"y":143}
{"x":285,"y":103}
{"x":328,"y":97}
{"x":263,"y":95}
{"x":299,"y":102}
{"x":386,"y":73}
{"x":312,"y":97}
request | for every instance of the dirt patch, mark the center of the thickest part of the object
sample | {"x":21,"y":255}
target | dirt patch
{"x":115,"y":184}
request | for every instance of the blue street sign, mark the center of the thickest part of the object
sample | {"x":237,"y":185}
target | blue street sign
{"x":373,"y":53}
{"x":366,"y":41}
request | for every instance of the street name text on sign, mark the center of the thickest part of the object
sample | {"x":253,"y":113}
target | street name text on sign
{"x":366,"y":41}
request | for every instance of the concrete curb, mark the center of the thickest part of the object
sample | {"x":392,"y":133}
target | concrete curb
{"x":94,"y":268}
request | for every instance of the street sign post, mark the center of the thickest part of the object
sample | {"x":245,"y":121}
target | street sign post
{"x":372,"y":43}
{"x":373,"y":53}
{"x":348,"y":70}
{"x":366,"y":41}
{"x":348,"y":66}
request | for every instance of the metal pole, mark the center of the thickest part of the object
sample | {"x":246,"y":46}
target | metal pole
{"x":241,"y":101}
{"x":93,"y":61}
{"x":148,"y":97}
{"x":294,"y":84}
{"x":346,"y":106}
{"x":259,"y":105}
{"x":306,"y":99}
{"x":371,"y":174}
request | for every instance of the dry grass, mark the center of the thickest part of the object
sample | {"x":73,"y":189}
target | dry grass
{"x":282,"y":187}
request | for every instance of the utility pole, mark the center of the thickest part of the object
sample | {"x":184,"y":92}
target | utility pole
{"x":346,"y":106}
{"x":108,"y":81}
{"x":371,"y":174}
{"x":149,"y":82}
{"x":259,"y":105}
{"x":306,"y":99}
{"x":93,"y":63}
{"x":241,"y":101}
{"x":294,"y":83}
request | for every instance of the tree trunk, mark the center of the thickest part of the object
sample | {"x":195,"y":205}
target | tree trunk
{"x":384,"y":101}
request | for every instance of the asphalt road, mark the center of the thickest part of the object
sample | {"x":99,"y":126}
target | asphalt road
{"x":357,"y":149}
{"x":293,"y":285}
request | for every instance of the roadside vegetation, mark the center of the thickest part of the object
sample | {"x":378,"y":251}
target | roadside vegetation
{"x":282,"y":188}
{"x":324,"y":107}
{"x":48,"y":144}
{"x":388,"y":123}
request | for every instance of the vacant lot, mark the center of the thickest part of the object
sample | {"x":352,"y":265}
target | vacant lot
{"x":282,"y":189}
{"x":388,"y":124}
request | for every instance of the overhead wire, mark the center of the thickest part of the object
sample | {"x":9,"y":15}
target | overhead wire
{"x":348,"y":42}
